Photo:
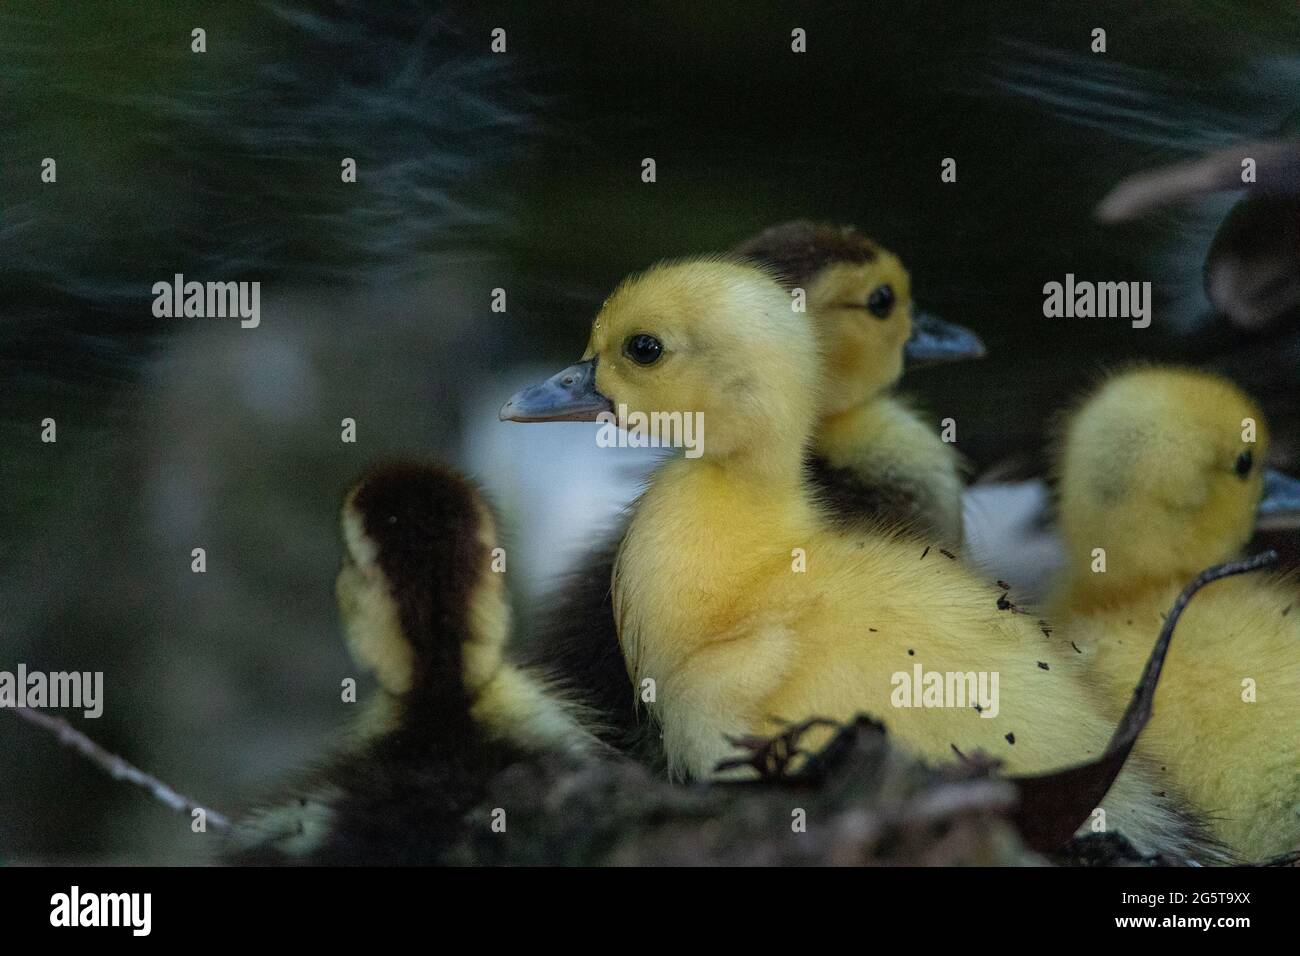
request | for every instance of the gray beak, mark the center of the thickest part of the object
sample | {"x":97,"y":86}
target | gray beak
{"x":934,"y":341}
{"x":1280,"y":505}
{"x":567,"y":396}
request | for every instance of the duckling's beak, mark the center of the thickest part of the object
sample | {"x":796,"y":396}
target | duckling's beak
{"x":934,"y":340}
{"x":567,"y":396}
{"x":1280,"y":505}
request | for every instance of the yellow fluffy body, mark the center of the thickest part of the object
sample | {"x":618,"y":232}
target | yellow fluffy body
{"x":708,"y":599}
{"x":1147,"y":475}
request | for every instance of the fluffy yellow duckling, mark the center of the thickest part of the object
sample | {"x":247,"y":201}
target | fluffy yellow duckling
{"x":1158,"y":478}
{"x":872,"y":455}
{"x":741,"y":605}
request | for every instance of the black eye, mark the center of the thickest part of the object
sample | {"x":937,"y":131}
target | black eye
{"x":881,"y":301}
{"x":1243,"y":464}
{"x":643,"y":349}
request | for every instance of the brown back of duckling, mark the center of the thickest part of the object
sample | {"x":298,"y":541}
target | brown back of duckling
{"x":423,"y":608}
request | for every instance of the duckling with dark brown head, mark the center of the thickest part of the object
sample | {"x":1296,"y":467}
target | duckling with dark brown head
{"x":874,"y":458}
{"x":424,"y":610}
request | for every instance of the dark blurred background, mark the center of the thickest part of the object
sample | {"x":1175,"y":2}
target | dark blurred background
{"x":478,"y":171}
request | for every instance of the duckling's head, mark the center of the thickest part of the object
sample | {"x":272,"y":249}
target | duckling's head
{"x":1163,"y":468}
{"x":710,"y":337}
{"x":859,"y":298}
{"x":420,"y":604}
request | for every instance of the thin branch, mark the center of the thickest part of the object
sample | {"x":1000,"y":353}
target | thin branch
{"x":1053,"y":805}
{"x":117,"y":768}
{"x":1139,"y":709}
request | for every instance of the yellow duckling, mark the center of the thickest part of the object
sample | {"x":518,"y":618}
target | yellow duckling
{"x":740,"y":604}
{"x":872,"y":455}
{"x":1161,"y":474}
